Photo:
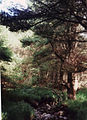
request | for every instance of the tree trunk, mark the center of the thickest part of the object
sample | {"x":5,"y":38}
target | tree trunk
{"x":61,"y":80}
{"x":70,"y":89}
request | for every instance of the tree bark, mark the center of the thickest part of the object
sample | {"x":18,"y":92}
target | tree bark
{"x":61,"y":80}
{"x":70,"y":89}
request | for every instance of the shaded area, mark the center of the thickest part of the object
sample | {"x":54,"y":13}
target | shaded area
{"x":21,"y":102}
{"x":38,"y":103}
{"x":34,"y":103}
{"x":79,"y":106}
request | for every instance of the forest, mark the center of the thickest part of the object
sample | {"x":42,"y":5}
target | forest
{"x":43,"y":61}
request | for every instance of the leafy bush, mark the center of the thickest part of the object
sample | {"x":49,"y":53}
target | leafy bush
{"x":18,"y":111}
{"x":26,"y":41}
{"x":79,"y":106}
{"x":5,"y":52}
{"x":33,"y":95}
{"x":82,"y":94}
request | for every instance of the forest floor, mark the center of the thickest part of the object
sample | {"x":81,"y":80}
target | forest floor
{"x":35,"y":104}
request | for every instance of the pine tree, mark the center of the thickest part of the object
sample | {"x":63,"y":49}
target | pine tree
{"x":69,"y":11}
{"x":5,"y":52}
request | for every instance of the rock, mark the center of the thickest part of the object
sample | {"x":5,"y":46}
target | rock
{"x":62,"y":117}
{"x":47,"y":115}
{"x":48,"y":106}
{"x":48,"y":112}
{"x":65,"y":118}
{"x":60,"y":113}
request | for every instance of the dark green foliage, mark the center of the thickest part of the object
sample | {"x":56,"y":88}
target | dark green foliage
{"x":43,"y":42}
{"x":64,"y":11}
{"x":26,"y":41}
{"x":43,"y":53}
{"x":5,"y":52}
{"x":1,"y":43}
{"x":82,"y":94}
{"x":45,"y":30}
{"x":19,"y":103}
{"x":32,"y":94}
{"x":43,"y":59}
{"x":34,"y":79}
{"x":18,"y":110}
{"x":79,"y":106}
{"x":39,"y":41}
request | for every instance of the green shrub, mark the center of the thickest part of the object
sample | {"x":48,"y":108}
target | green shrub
{"x":33,"y":93}
{"x":79,"y":106}
{"x":82,"y":94}
{"x":5,"y":54}
{"x":19,"y":111}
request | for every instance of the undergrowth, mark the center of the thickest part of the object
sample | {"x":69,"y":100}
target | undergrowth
{"x":17,"y":110}
{"x":79,"y":106}
{"x":22,"y":101}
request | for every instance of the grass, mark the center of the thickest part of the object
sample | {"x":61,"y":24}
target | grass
{"x":82,"y":94}
{"x":79,"y":106}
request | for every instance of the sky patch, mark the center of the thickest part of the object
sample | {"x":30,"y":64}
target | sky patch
{"x":6,"y":5}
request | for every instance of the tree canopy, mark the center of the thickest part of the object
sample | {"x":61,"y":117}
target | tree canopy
{"x":71,"y":11}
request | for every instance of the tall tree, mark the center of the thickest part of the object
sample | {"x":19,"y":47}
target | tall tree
{"x":64,"y":43}
{"x":55,"y":13}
